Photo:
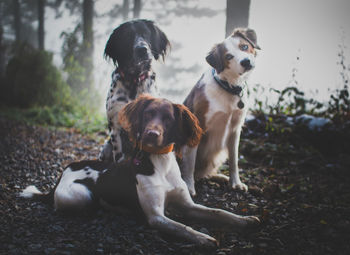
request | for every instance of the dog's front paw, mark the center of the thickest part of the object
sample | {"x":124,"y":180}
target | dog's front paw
{"x":106,"y":153}
{"x":240,"y":186}
{"x":192,"y":191}
{"x":236,"y":184}
{"x":252,"y":221}
{"x":207,"y":241}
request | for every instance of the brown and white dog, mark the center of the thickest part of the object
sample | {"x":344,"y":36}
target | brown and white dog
{"x":150,"y":181}
{"x":219,"y":102}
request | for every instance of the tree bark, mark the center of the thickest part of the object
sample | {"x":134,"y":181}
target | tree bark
{"x":237,"y":14}
{"x":17,"y":20}
{"x":137,"y":9}
{"x":126,"y":9}
{"x":41,"y":28}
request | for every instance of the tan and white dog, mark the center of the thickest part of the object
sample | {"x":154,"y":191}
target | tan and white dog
{"x":219,"y":102}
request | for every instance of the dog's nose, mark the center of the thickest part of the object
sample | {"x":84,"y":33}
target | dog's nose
{"x":141,"y":51}
{"x":152,"y":133}
{"x":246,"y":64}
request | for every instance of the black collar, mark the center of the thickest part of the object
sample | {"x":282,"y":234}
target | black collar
{"x":232,"y":89}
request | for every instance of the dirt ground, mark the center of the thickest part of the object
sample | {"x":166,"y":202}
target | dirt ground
{"x":302,"y":199}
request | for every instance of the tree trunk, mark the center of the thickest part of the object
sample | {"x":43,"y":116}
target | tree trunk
{"x":2,"y":52}
{"x":137,"y":9}
{"x":2,"y":46}
{"x":237,"y":14}
{"x":126,"y":9}
{"x":88,"y":39}
{"x":17,"y":20}
{"x":41,"y":28}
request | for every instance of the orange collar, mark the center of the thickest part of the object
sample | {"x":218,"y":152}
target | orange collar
{"x":153,"y":150}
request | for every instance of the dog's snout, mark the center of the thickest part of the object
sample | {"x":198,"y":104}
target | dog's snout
{"x":152,"y":133}
{"x":141,"y":51}
{"x":246,"y":64}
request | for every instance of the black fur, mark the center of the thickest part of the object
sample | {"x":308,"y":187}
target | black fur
{"x":120,"y":44}
{"x":215,"y":58}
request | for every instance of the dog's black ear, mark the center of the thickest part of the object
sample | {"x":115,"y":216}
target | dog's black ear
{"x":188,"y":130}
{"x":130,"y":117}
{"x":116,"y":45}
{"x":159,"y":41}
{"x":216,"y":57}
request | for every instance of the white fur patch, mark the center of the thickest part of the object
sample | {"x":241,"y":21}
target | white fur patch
{"x":72,"y":195}
{"x":30,"y":191}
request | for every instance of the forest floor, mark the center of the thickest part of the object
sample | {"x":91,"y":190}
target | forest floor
{"x":302,"y":199}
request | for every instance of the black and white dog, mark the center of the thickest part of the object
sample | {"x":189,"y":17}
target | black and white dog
{"x":151,"y":180}
{"x":131,"y":46}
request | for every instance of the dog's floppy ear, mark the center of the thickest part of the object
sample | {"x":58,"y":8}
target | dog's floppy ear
{"x":159,"y":41}
{"x":216,"y":57}
{"x":130,"y":117}
{"x":116,"y":45}
{"x":188,"y":130}
{"x":111,"y":49}
{"x":247,"y":34}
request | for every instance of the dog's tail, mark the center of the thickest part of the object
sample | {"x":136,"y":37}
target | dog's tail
{"x":31,"y":192}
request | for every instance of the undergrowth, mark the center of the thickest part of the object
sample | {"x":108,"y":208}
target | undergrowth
{"x":81,"y":120}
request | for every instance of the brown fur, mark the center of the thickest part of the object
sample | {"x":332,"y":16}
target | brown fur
{"x":188,"y":126}
{"x":131,"y":115}
{"x":188,"y":130}
{"x":198,"y":104}
{"x":216,"y":57}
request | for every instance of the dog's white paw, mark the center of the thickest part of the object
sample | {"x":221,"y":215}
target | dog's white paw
{"x":252,"y":221}
{"x":192,"y":191}
{"x":121,"y":158}
{"x":240,"y":186}
{"x":207,"y":241}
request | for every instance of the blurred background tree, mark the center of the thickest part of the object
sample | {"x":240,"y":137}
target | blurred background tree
{"x":237,"y":14}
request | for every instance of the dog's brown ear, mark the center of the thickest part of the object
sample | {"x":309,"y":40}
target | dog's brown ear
{"x":247,"y":34}
{"x":216,"y":57}
{"x":130,"y":117}
{"x":189,"y":131}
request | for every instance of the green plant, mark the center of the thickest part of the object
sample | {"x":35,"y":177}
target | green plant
{"x":339,"y":102}
{"x":31,"y":80}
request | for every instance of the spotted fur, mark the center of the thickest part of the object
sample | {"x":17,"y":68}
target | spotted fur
{"x":131,"y":46}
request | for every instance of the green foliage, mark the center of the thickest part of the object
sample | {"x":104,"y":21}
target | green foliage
{"x":72,"y":56}
{"x":339,"y":105}
{"x":292,"y":101}
{"x":80,"y":118}
{"x":76,"y":65}
{"x":35,"y":91}
{"x":31,"y":80}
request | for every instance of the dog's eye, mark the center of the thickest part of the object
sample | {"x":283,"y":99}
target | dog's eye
{"x":244,"y":47}
{"x":229,"y":56}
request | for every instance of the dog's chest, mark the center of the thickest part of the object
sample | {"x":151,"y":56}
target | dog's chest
{"x":120,"y":92}
{"x":166,"y":176}
{"x":223,"y":111}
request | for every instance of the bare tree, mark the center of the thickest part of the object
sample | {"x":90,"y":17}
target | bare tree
{"x":17,"y":20}
{"x":137,"y":9}
{"x":41,"y":27}
{"x":125,"y":9}
{"x":237,"y":14}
